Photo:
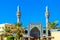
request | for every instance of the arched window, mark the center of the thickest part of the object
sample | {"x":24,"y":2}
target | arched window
{"x":26,"y":31}
{"x":49,"y":33}
{"x":44,"y":31}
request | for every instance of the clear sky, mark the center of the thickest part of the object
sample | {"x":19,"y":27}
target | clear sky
{"x":31,"y":11}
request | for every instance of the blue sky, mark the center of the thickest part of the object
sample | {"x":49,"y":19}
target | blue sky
{"x":31,"y":11}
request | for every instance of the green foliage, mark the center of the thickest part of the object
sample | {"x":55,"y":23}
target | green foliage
{"x":7,"y":29}
{"x":18,"y":24}
{"x":52,"y":25}
{"x":19,"y":30}
{"x":10,"y":37}
{"x":17,"y":35}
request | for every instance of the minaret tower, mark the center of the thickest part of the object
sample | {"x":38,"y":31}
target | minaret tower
{"x":18,"y":14}
{"x":47,"y":16}
{"x":47,"y":20}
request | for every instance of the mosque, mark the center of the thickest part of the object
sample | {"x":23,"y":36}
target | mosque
{"x":42,"y":33}
{"x":35,"y":31}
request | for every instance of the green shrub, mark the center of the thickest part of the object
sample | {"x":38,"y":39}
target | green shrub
{"x":7,"y":29}
{"x":10,"y":37}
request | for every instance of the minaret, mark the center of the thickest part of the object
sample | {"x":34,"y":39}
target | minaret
{"x":47,"y":20}
{"x":47,"y":16}
{"x":18,"y":14}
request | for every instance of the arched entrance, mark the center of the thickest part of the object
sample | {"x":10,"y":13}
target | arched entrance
{"x":35,"y":33}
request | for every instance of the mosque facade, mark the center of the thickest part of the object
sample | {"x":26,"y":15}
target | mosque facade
{"x":35,"y":31}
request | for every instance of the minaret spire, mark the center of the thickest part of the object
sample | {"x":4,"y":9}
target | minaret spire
{"x":18,"y":8}
{"x":18,"y":14}
{"x":47,"y":13}
{"x":47,"y":20}
{"x":47,"y":16}
{"x":46,"y":8}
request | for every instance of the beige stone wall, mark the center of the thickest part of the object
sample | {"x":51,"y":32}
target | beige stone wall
{"x":5,"y":38}
{"x":56,"y":35}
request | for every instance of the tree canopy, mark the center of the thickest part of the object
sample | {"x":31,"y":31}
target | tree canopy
{"x":53,"y":25}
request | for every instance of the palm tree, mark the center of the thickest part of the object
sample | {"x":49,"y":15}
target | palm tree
{"x":19,"y":30}
{"x":7,"y":31}
{"x":19,"y":27}
{"x":53,"y":25}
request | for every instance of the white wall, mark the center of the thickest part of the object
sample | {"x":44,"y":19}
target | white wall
{"x":56,"y":35}
{"x":2,"y":26}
